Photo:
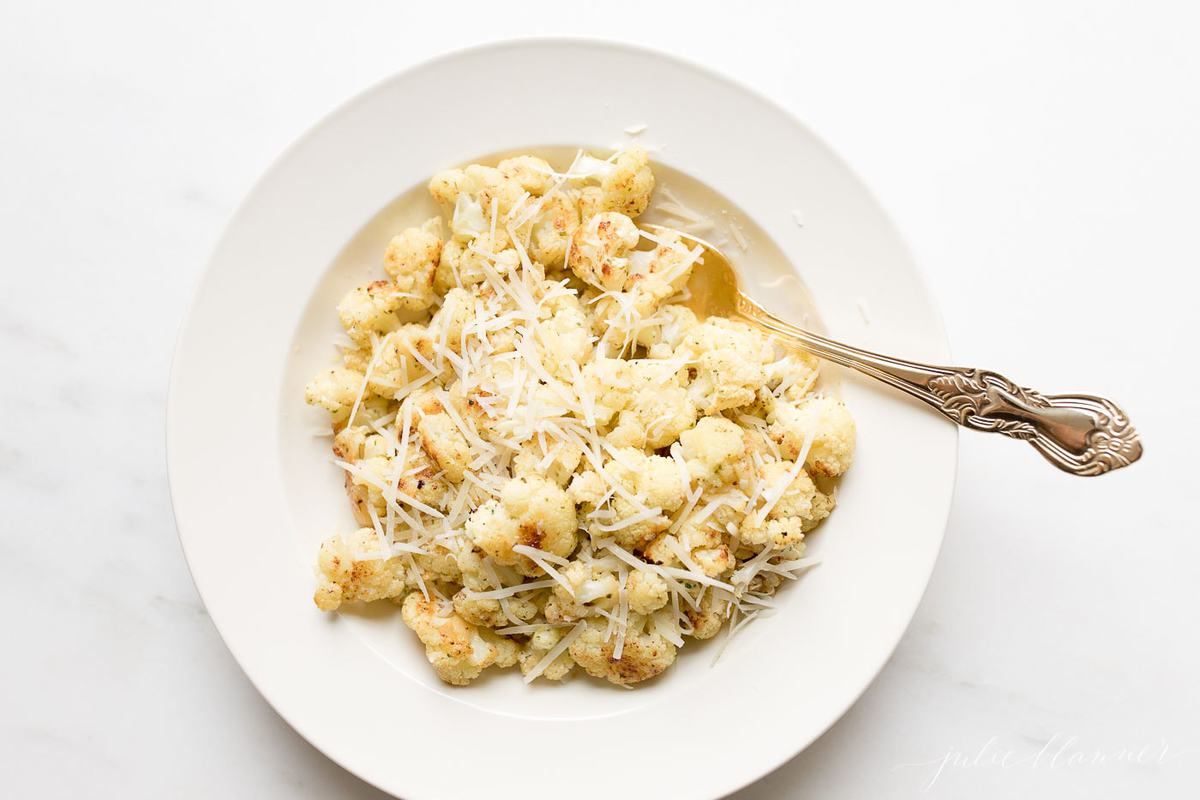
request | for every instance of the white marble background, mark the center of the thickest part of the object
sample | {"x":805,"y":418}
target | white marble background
{"x":1042,"y":159}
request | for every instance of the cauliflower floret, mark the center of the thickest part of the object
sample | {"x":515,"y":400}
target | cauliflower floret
{"x":646,"y":592}
{"x":490,"y":613}
{"x":654,"y":479}
{"x":466,"y":264}
{"x":797,"y":370}
{"x":471,"y":567}
{"x":531,"y":511}
{"x":590,"y":200}
{"x":660,"y":341}
{"x":397,"y":363}
{"x":628,"y":186}
{"x":540,"y":643}
{"x":587,"y":488}
{"x":445,"y":186}
{"x":352,"y":443}
{"x":370,"y":310}
{"x":419,"y":480}
{"x":552,"y":228}
{"x":799,"y":509}
{"x":636,"y":282}
{"x":600,"y":248}
{"x":533,"y":174}
{"x":445,"y":444}
{"x":412,"y":259}
{"x":335,"y":391}
{"x":728,"y":361}
{"x":457,"y":650}
{"x":592,"y":587}
{"x":715,"y":560}
{"x":644,"y":654}
{"x":486,"y":184}
{"x":707,"y":548}
{"x":422,"y":480}
{"x":708,"y":619}
{"x":441,"y":437}
{"x":616,"y":384}
{"x":714,"y":451}
{"x":350,"y":573}
{"x":450,"y":273}
{"x":832,"y":447}
{"x":452,"y":319}
{"x":655,"y":418}
{"x":438,"y":566}
{"x":610,"y":386}
{"x":564,"y":338}
{"x":663,"y":271}
{"x":564,"y":458}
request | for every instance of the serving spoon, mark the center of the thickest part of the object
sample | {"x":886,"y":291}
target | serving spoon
{"x":1078,"y":433}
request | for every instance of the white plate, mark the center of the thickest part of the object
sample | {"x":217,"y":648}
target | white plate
{"x":254,"y":491}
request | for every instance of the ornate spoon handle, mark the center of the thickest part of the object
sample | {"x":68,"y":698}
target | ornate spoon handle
{"x":1077,"y":433}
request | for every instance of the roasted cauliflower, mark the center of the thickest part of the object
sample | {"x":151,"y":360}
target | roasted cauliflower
{"x":551,"y":461}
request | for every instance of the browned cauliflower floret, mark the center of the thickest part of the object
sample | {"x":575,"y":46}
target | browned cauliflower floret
{"x":352,"y":571}
{"x":531,"y":511}
{"x":540,"y":643}
{"x":628,"y":186}
{"x":708,"y":549}
{"x":644,"y":654}
{"x":445,"y":444}
{"x":800,"y":508}
{"x":335,"y":391}
{"x":488,"y":184}
{"x":706,"y":620}
{"x":600,"y":248}
{"x":418,"y":480}
{"x":832,"y":428}
{"x":412,"y":259}
{"x":457,"y":650}
{"x":553,"y":226}
{"x":663,"y":271}
{"x":490,"y":613}
{"x":531,"y":173}
{"x":399,"y":358}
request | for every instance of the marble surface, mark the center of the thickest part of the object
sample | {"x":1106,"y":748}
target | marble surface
{"x":1041,"y":160}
